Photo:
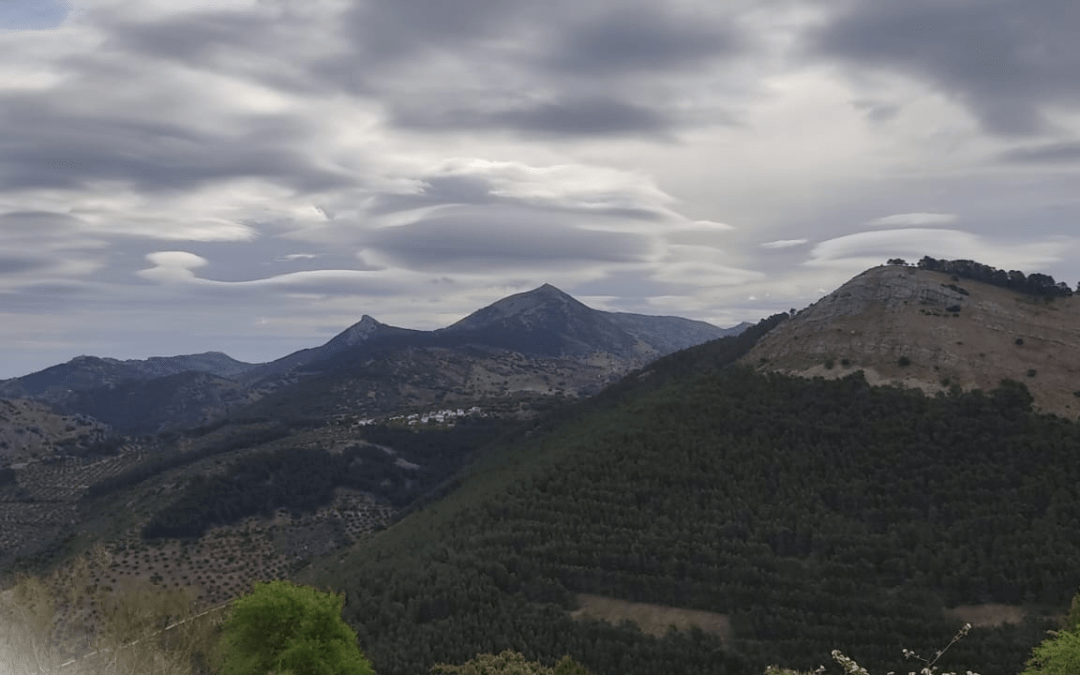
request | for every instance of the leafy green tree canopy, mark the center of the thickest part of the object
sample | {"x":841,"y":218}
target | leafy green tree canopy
{"x":282,"y":628}
{"x":1060,"y":653}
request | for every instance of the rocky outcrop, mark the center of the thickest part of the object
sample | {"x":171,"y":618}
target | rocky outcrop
{"x":926,"y":329}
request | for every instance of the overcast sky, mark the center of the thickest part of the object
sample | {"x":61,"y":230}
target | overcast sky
{"x":253,"y":176}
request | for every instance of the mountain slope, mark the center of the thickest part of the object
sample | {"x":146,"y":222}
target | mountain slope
{"x":358,"y":339}
{"x":815,"y":514}
{"x":931,"y":330}
{"x":31,"y":430}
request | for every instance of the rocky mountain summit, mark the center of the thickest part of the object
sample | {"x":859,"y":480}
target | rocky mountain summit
{"x":932,"y":330}
{"x":548,"y":322}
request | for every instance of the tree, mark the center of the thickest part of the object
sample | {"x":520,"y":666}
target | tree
{"x":1058,"y":655}
{"x":283,"y":628}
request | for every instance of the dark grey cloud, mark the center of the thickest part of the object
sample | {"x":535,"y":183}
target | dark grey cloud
{"x":564,"y":69}
{"x":501,"y":238}
{"x":45,"y":144}
{"x":1008,"y":62}
{"x":36,"y":224}
{"x":644,"y":38}
{"x":568,"y":118}
{"x":202,"y":38}
{"x":1066,"y":152}
{"x":257,"y":44}
{"x":408,"y":29}
{"x":877,"y":111}
{"x":16,"y":264}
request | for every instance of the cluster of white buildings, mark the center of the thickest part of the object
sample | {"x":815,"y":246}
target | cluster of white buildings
{"x":434,"y":417}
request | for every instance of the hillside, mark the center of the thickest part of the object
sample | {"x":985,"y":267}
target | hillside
{"x":31,"y":430}
{"x":806,"y":514}
{"x":931,"y":330}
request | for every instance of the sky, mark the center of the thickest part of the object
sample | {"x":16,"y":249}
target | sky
{"x":253,"y":176}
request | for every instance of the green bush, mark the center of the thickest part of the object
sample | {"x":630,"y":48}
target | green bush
{"x":282,"y":628}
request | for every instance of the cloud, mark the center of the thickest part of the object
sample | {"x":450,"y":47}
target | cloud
{"x":172,"y":266}
{"x":48,"y":144}
{"x":784,"y":243}
{"x":876,"y":111}
{"x":577,"y":188}
{"x":868,"y":249}
{"x":562,"y":70}
{"x":16,"y":265}
{"x":1010,"y":64}
{"x":704,"y":274}
{"x":565,"y":117}
{"x":708,"y":226}
{"x":32,"y":14}
{"x":645,"y":37}
{"x":300,"y":256}
{"x":500,"y":238}
{"x":913,"y":219}
{"x":1066,"y":152}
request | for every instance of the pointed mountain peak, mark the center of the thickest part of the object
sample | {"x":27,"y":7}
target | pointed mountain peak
{"x":360,"y":331}
{"x":542,"y":300}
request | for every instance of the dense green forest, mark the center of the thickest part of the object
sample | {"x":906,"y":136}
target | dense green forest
{"x":818,"y":514}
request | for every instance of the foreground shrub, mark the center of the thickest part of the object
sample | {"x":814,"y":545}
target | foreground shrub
{"x":283,"y":628}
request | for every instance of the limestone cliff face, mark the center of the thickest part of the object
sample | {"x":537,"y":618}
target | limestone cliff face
{"x":926,"y":329}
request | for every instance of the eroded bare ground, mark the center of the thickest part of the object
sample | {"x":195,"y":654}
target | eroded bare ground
{"x":652,"y":619}
{"x":988,"y":615}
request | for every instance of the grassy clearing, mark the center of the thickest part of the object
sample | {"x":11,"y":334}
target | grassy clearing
{"x":652,"y":619}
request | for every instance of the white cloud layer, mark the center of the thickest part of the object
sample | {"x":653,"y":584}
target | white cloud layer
{"x":913,"y":219}
{"x":785,"y":243}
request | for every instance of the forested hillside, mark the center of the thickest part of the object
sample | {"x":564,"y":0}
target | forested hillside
{"x":817,"y":514}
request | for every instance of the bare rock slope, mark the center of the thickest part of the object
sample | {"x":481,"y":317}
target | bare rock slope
{"x":925,"y":329}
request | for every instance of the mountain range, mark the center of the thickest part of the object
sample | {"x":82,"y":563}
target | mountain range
{"x":543,"y":331}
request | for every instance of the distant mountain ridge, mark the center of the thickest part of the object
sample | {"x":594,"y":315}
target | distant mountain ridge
{"x":89,"y":372}
{"x":543,"y":322}
{"x":543,"y":325}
